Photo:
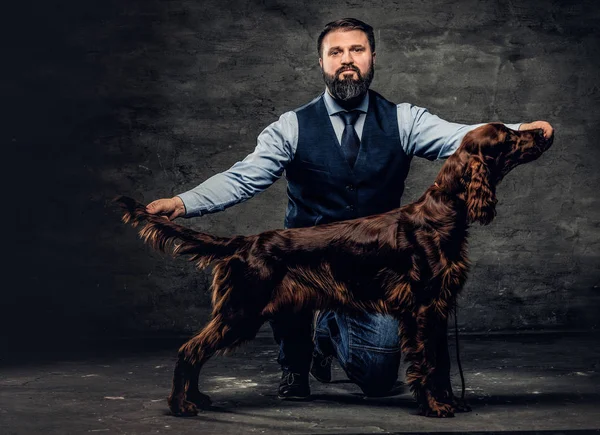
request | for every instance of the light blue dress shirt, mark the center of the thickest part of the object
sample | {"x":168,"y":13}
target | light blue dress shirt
{"x":421,"y":134}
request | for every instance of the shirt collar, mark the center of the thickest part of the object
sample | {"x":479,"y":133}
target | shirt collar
{"x":333,"y":107}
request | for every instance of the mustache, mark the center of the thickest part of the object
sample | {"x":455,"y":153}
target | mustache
{"x":347,"y":68}
{"x":347,"y":88}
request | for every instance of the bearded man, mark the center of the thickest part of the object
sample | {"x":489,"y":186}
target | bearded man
{"x":346,"y":155}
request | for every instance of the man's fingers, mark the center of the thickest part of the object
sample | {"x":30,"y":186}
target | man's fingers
{"x":548,"y":130}
{"x":153,"y":207}
{"x":170,"y":208}
{"x":545,"y":126}
{"x":160,"y":206}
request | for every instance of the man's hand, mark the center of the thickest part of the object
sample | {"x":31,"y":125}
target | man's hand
{"x":548,"y":130}
{"x":169,"y":207}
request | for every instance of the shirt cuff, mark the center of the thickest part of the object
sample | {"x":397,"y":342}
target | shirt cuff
{"x":514,"y":126}
{"x":189,"y":199}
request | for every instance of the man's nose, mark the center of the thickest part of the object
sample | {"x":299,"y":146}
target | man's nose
{"x":347,"y":57}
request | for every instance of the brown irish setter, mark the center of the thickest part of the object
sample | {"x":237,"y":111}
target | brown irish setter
{"x":410,"y":262}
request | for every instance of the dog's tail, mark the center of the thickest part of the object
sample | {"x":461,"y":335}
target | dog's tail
{"x":162,"y":234}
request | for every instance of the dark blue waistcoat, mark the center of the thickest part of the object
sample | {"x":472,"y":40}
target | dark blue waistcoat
{"x":322,"y":187}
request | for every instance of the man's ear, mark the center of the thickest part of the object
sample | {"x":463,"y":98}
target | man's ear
{"x":374,"y":54}
{"x":321,"y":62}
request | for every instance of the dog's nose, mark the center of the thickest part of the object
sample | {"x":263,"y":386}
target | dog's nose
{"x":543,"y":141}
{"x":538,"y":135}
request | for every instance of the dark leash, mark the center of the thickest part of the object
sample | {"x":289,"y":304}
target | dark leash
{"x":462,"y":376}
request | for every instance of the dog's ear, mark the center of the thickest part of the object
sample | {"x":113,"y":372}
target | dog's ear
{"x":481,"y":193}
{"x":449,"y":175}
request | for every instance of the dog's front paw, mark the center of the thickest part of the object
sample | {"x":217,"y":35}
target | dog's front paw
{"x":182,"y":408}
{"x":437,"y":410}
{"x":199,"y":399}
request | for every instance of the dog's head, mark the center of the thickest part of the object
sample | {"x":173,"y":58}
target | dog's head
{"x":484,"y":157}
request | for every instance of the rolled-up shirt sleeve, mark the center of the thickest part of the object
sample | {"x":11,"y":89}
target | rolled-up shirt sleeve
{"x":275,"y":148}
{"x":426,"y":135}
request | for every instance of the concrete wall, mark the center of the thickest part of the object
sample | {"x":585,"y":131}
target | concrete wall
{"x":148,"y":98}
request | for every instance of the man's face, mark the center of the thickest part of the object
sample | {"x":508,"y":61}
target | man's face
{"x":347,"y":63}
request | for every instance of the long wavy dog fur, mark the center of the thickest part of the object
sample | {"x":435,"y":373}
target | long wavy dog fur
{"x":410,"y":262}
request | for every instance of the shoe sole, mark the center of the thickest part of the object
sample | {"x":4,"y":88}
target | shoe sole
{"x":298,"y":398}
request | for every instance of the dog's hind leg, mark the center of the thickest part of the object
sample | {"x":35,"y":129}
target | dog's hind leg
{"x":219,"y":335}
{"x":185,"y":398}
{"x":182,"y":375}
{"x":238,"y":300}
{"x":192,"y":393}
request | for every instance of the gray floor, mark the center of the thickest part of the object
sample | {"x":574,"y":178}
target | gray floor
{"x":534,"y":383}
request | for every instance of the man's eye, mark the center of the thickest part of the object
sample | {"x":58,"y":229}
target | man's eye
{"x":333,"y":53}
{"x":358,"y":49}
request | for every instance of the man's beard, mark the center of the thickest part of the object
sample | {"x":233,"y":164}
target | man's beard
{"x":347,"y":89}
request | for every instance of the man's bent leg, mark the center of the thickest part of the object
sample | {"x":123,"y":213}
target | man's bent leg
{"x":368,"y":349}
{"x":325,"y":326}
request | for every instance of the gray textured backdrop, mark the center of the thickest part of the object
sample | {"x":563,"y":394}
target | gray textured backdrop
{"x":148,"y":98}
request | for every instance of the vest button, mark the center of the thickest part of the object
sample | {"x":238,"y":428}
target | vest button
{"x":350,"y":187}
{"x":349,"y":207}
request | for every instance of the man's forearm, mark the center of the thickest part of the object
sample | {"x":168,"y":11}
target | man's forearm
{"x":226,"y":189}
{"x":275,"y":148}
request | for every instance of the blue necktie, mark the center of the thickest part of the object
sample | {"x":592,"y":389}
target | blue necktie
{"x":350,"y":142}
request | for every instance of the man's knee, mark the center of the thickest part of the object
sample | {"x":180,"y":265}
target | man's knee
{"x":375,"y":371}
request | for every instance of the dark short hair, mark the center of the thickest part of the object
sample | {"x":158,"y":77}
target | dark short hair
{"x":346,"y":24}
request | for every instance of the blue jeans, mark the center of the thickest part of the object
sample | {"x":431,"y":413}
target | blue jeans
{"x":366,"y":346}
